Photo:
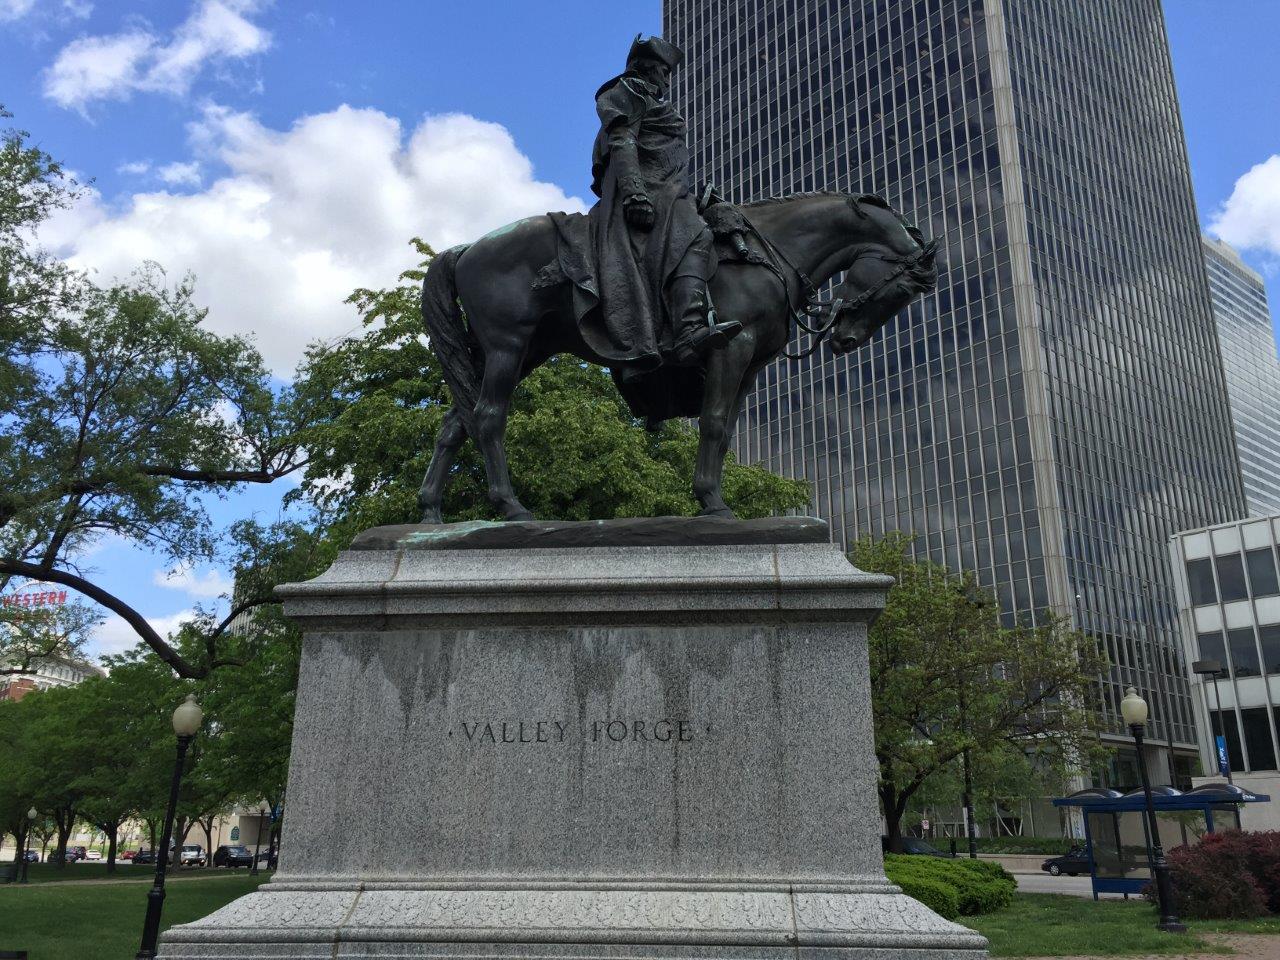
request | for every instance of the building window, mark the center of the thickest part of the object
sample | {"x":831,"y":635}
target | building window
{"x":1224,"y":723}
{"x":1244,"y":652}
{"x":1200,"y":578}
{"x":1262,"y":572}
{"x":1212,"y":648}
{"x":1231,"y":577}
{"x":1257,"y":739}
{"x":1269,"y":641}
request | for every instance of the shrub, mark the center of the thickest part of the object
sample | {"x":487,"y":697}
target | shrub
{"x":1049,"y":846}
{"x":939,"y":897}
{"x":1229,"y":875}
{"x":979,"y":886}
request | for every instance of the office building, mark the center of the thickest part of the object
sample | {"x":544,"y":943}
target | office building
{"x":1056,"y":410}
{"x":1252,"y":370}
{"x":1228,"y":589}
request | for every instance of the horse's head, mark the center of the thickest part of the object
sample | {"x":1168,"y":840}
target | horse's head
{"x":890,"y":268}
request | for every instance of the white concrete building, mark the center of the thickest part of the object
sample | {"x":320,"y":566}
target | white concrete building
{"x":1227,"y":579}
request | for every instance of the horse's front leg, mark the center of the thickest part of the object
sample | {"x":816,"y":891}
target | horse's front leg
{"x":489,"y":420}
{"x":721,"y":400}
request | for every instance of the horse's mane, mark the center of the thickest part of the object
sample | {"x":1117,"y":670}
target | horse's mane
{"x":872,"y":198}
{"x":853,"y":199}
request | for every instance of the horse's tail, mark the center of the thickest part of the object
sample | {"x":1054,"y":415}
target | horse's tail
{"x":449,"y":337}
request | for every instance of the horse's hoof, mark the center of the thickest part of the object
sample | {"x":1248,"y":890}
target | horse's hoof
{"x":723,"y":512}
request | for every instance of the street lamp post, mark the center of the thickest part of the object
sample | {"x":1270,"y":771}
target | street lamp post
{"x":1134,"y":710}
{"x":257,"y":841}
{"x":31,"y":819}
{"x":186,"y":721}
{"x":1212,"y":668}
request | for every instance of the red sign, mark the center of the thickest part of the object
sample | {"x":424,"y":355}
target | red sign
{"x":30,"y":596}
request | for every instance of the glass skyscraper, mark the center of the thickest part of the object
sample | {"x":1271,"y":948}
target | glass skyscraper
{"x":1252,"y":370}
{"x":1056,"y":409}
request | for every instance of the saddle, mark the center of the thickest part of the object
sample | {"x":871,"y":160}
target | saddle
{"x":728,"y":227}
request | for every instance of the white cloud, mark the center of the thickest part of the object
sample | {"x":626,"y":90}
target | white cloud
{"x":114,"y":66}
{"x":94,"y":68}
{"x":134,"y":168}
{"x":212,"y":583}
{"x":180,"y":174}
{"x":114,"y":635}
{"x":12,"y":10}
{"x":1250,"y":218}
{"x":216,"y":28}
{"x":305,"y":215}
{"x":15,"y":9}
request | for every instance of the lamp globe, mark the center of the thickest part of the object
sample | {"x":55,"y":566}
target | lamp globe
{"x":1133,"y":708}
{"x":186,"y":719}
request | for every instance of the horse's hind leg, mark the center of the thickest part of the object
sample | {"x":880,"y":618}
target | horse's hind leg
{"x":451,"y":437}
{"x":502,"y":372}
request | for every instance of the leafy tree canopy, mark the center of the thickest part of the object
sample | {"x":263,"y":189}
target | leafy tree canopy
{"x":946,"y":676}
{"x":117,"y":407}
{"x":375,"y":402}
{"x":30,"y":636}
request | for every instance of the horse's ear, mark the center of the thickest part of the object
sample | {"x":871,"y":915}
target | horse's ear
{"x":915,"y":234}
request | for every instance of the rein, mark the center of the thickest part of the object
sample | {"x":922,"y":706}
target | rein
{"x":812,"y":307}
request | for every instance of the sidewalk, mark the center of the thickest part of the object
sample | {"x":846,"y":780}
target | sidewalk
{"x":1242,"y":946}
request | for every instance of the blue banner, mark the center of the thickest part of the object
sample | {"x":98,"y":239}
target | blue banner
{"x":1224,"y":765}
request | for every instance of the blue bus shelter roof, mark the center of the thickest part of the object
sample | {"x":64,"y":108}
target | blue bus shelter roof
{"x":1164,"y":798}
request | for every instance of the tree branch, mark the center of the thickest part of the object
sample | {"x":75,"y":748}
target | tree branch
{"x":117,"y":606}
{"x":221,"y":476}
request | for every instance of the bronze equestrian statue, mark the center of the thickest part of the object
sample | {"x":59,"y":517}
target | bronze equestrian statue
{"x":683,"y":297}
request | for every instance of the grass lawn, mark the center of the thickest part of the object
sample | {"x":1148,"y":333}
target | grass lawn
{"x":1051,"y":925}
{"x":48,"y":872}
{"x":104,"y":920}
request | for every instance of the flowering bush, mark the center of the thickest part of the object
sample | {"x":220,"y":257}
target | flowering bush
{"x":1227,"y":875}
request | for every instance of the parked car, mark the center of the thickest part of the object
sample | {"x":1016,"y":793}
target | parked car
{"x":76,"y":853}
{"x":233,"y":855}
{"x":1073,"y":863}
{"x":128,"y":854}
{"x":144,"y":856}
{"x":31,"y":856}
{"x":93,"y":855}
{"x":916,"y":846}
{"x":192,"y":855}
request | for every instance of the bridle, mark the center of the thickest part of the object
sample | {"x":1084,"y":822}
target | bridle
{"x":811,"y":306}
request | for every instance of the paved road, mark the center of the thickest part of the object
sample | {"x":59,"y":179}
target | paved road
{"x":1043,"y":883}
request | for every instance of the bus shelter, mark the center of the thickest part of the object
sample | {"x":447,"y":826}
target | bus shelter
{"x":1115,"y":827}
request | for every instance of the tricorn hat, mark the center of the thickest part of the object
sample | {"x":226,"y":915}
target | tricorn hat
{"x":655,"y":48}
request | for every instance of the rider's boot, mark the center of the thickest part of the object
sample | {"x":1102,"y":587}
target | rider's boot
{"x":694,"y":324}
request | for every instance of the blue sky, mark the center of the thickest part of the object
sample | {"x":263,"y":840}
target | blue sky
{"x":286,"y":151}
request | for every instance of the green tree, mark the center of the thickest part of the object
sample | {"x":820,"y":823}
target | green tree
{"x":32,"y":635}
{"x":124,"y":720}
{"x":17,"y":764}
{"x":375,"y":402}
{"x":53,"y":748}
{"x":947,"y":677}
{"x":121,"y":411}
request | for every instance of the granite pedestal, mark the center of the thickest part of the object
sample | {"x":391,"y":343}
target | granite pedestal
{"x":619,"y":740}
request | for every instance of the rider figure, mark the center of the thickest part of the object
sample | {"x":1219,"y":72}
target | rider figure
{"x":654,"y":252}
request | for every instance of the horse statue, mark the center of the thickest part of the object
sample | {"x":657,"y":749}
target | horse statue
{"x":515,"y":320}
